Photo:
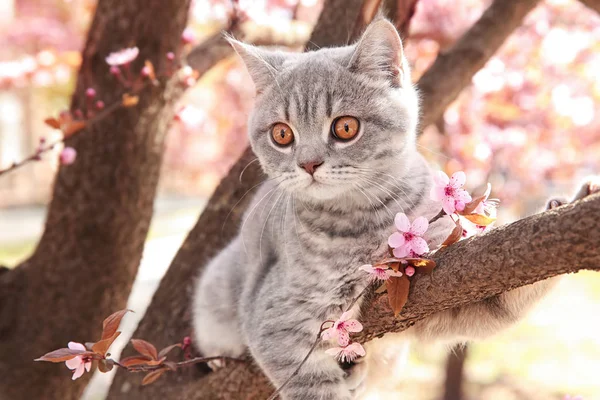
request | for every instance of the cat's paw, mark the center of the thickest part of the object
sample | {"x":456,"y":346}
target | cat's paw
{"x":356,"y":374}
{"x":216,"y":364}
{"x":590,"y":186}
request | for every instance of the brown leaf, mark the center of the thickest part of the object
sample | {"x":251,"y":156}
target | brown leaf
{"x":157,"y":362}
{"x":52,"y":122}
{"x":478,"y":219}
{"x":130,"y":100}
{"x":150,"y":68}
{"x":135,"y":360}
{"x":69,"y":129}
{"x":381,"y":289}
{"x":105,"y":365}
{"x":397,"y":288}
{"x":145,"y":348}
{"x":424,"y":265}
{"x":171,"y":365}
{"x":111,"y":323}
{"x":153,"y":376}
{"x":470,"y":207}
{"x":102,"y":346}
{"x":166,"y":350}
{"x":61,"y":355}
{"x":454,"y":236}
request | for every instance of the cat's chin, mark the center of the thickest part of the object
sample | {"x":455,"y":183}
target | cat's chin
{"x":317,"y":191}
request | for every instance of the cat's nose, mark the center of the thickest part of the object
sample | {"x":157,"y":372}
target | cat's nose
{"x":311,"y":166}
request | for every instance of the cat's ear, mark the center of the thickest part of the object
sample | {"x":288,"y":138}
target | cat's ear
{"x":379,"y":53}
{"x":262,"y":64}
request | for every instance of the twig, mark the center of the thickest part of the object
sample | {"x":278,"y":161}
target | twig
{"x":193,"y":361}
{"x":438,"y":216}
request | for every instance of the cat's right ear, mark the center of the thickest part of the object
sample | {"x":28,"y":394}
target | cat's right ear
{"x":262,"y":65}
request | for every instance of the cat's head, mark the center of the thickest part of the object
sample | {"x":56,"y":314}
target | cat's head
{"x":336,"y":121}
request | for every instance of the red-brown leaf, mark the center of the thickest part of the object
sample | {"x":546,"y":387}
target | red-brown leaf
{"x":167,"y":349}
{"x":135,"y":360}
{"x":478,"y":219}
{"x":61,"y":355}
{"x":102,"y":346}
{"x":153,"y":376}
{"x":454,"y":236}
{"x":470,"y":207}
{"x":171,"y":365}
{"x":157,"y":362}
{"x":130,"y":100}
{"x":145,"y":348}
{"x":52,"y":122}
{"x":111,"y":323}
{"x":397,"y":288}
{"x":69,"y":129}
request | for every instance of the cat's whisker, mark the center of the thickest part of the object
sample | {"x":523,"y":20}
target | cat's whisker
{"x":265,"y":224}
{"x":246,"y":167}
{"x":358,"y":187}
{"x":250,"y":215}
{"x":387,"y":191}
{"x":390,"y":212}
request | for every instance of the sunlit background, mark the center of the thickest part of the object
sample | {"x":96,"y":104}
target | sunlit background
{"x":529,"y":124}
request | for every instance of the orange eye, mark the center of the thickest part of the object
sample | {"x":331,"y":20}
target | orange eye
{"x":345,"y":128}
{"x":282,"y":134}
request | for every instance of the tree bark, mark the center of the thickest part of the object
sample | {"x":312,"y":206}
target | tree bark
{"x":168,"y":317}
{"x":85,"y":263}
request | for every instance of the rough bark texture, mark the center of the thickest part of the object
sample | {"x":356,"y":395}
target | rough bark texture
{"x":558,"y":241}
{"x":168,"y":317}
{"x":453,"y":70}
{"x":87,"y":258}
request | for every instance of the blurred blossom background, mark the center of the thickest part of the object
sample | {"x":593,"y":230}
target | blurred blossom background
{"x":529,"y":124}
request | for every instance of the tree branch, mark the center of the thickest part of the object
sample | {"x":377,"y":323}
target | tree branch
{"x":453,"y":70}
{"x":593,"y":4}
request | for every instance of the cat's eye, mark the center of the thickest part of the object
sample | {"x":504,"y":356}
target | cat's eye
{"x":282,"y":134}
{"x":345,"y":128}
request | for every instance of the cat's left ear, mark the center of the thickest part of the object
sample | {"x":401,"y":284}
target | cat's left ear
{"x":263,"y":65}
{"x":379,"y":53}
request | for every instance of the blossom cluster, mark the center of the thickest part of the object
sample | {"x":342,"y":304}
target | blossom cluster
{"x":408,"y":245}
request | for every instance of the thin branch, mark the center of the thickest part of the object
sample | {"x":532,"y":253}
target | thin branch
{"x":593,"y":4}
{"x":186,"y":363}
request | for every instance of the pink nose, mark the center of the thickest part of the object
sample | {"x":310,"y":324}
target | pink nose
{"x":311,"y":166}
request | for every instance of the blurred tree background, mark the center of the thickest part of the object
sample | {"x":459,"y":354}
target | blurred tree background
{"x":529,"y":123}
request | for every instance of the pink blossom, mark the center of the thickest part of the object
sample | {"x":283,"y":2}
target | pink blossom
{"x":410,"y":271}
{"x":569,"y":397}
{"x":170,"y":56}
{"x":348,"y":353}
{"x":122,"y":57}
{"x":487,"y":206}
{"x":90,"y":92}
{"x":341,"y":329}
{"x":450,"y":192}
{"x":379,"y":272}
{"x":78,"y":363}
{"x":408,"y":240}
{"x":188,"y":36}
{"x":68,"y":155}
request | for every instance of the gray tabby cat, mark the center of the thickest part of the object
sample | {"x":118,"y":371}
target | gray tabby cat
{"x":335,"y":131}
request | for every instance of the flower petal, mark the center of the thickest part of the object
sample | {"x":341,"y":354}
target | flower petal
{"x":462,"y":196}
{"x":78,"y":372}
{"x":329,"y":334}
{"x":401,"y":251}
{"x":73,"y":363}
{"x":353,"y":325}
{"x":402,"y":223}
{"x":419,"y":226}
{"x":367,"y":268}
{"x":419,"y":245}
{"x":448,"y":205}
{"x":391,"y":272}
{"x":334,"y":351}
{"x":88,"y":366}
{"x":440,"y":179}
{"x":343,"y":338}
{"x":76,"y":346}
{"x":396,"y":240}
{"x":357,"y":349}
{"x":458,"y":179}
{"x":345,"y":316}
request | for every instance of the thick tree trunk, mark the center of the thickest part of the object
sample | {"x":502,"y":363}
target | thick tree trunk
{"x":87,"y":258}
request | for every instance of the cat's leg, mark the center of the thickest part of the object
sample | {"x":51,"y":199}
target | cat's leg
{"x":280,"y":331}
{"x":215,"y":319}
{"x":482,"y":319}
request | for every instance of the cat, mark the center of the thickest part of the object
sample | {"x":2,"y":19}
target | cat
{"x":335,"y":132}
